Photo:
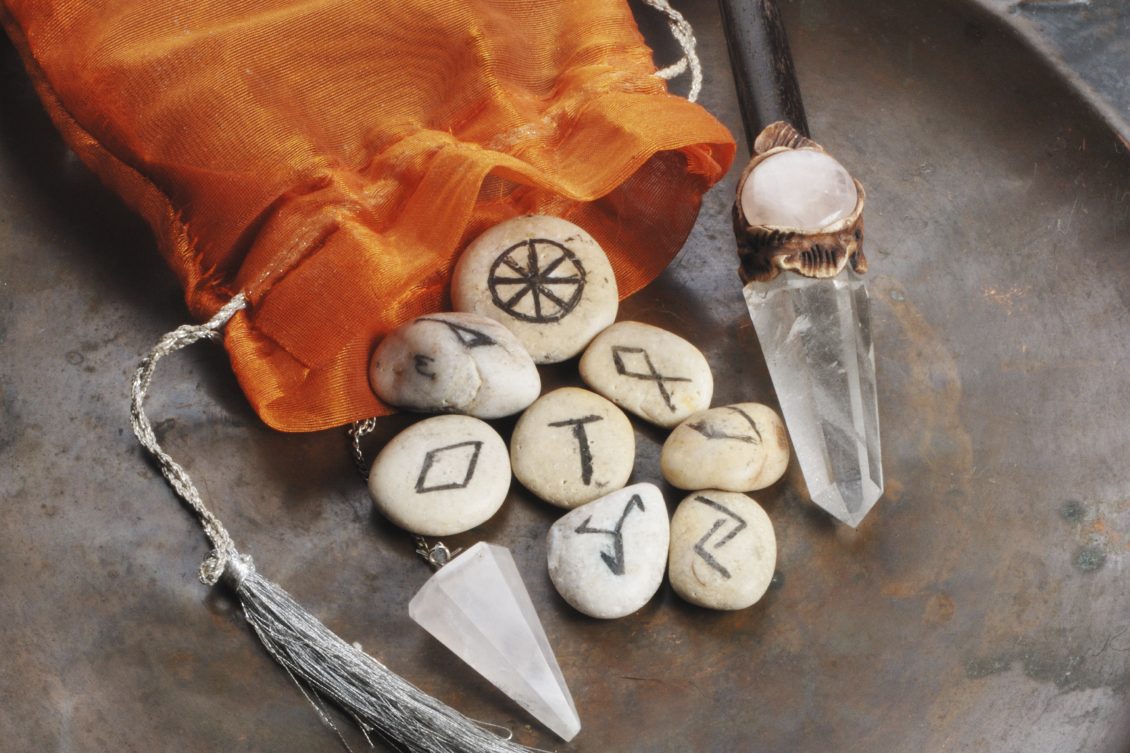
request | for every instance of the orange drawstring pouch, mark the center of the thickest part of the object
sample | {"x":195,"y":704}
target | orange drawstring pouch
{"x":331,"y":158}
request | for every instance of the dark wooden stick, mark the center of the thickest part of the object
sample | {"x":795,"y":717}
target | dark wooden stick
{"x":763,"y":67}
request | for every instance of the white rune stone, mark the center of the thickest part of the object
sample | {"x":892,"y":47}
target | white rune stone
{"x":739,"y":448}
{"x":455,"y":363}
{"x":816,"y":337}
{"x":572,"y":446}
{"x":544,"y":279}
{"x":478,"y":607}
{"x":803,"y":189}
{"x":723,"y":550}
{"x":607,"y":558}
{"x":441,"y":476}
{"x":648,"y":371}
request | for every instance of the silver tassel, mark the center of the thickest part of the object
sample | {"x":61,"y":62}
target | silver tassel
{"x":320,"y":663}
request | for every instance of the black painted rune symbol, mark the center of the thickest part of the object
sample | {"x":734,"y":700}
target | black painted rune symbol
{"x":650,"y":375}
{"x":537,"y":280}
{"x":422,"y":364}
{"x":582,"y":438}
{"x":450,"y":467}
{"x":615,"y":561}
{"x":700,"y":547}
{"x":712,"y":432}
{"x":470,"y":338}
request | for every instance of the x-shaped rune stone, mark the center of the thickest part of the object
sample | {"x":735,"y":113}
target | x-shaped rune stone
{"x":649,"y":375}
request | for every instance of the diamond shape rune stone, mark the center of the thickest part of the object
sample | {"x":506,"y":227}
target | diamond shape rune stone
{"x":450,"y":467}
{"x":816,"y":337}
{"x":478,"y":607}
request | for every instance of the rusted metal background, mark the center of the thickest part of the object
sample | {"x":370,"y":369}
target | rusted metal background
{"x":1087,"y":41}
{"x":982,"y":606}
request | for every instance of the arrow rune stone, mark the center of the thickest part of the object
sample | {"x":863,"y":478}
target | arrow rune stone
{"x":615,"y":561}
{"x":712,"y":432}
{"x":468,"y":337}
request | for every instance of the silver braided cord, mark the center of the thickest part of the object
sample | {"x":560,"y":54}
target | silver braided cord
{"x":684,"y":34}
{"x":222,"y":547}
{"x":322,"y":665}
{"x":376,"y":698}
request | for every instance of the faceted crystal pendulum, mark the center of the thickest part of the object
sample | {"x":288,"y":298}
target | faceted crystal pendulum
{"x":812,"y":316}
{"x":816,"y":338}
{"x":478,"y":607}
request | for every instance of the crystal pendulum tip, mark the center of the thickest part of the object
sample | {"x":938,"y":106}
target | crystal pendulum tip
{"x":816,"y":338}
{"x":478,"y":607}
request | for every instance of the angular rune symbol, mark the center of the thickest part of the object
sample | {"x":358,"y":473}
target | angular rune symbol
{"x":537,"y":280}
{"x":422,"y":363}
{"x":650,"y":375}
{"x":582,"y":438}
{"x":700,"y":548}
{"x":713,"y":432}
{"x":615,"y":561}
{"x":450,"y":467}
{"x":470,"y":338}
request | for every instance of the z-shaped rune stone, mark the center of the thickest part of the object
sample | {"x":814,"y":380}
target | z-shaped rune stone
{"x":469,"y":338}
{"x":712,"y":432}
{"x":700,"y":548}
{"x":582,"y":438}
{"x":615,"y":561}
{"x":651,"y":375}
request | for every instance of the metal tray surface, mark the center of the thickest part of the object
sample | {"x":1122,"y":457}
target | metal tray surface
{"x":982,"y":606}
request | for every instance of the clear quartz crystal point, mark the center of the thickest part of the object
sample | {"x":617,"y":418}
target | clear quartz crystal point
{"x":478,"y":607}
{"x":816,"y":337}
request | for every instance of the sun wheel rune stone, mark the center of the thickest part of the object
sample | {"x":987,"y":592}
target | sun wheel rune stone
{"x":537,"y":280}
{"x":478,"y":607}
{"x":544,"y":279}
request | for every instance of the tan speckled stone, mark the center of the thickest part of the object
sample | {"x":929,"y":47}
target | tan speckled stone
{"x":544,"y":279}
{"x":648,"y":371}
{"x":723,"y":550}
{"x":737,"y":448}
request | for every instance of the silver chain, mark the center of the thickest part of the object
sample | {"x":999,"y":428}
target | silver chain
{"x":357,"y":431}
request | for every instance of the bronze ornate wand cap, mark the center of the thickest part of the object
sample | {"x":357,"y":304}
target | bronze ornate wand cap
{"x":766,"y":248}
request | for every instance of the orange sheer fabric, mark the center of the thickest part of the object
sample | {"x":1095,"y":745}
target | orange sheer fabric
{"x":331,"y":157}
